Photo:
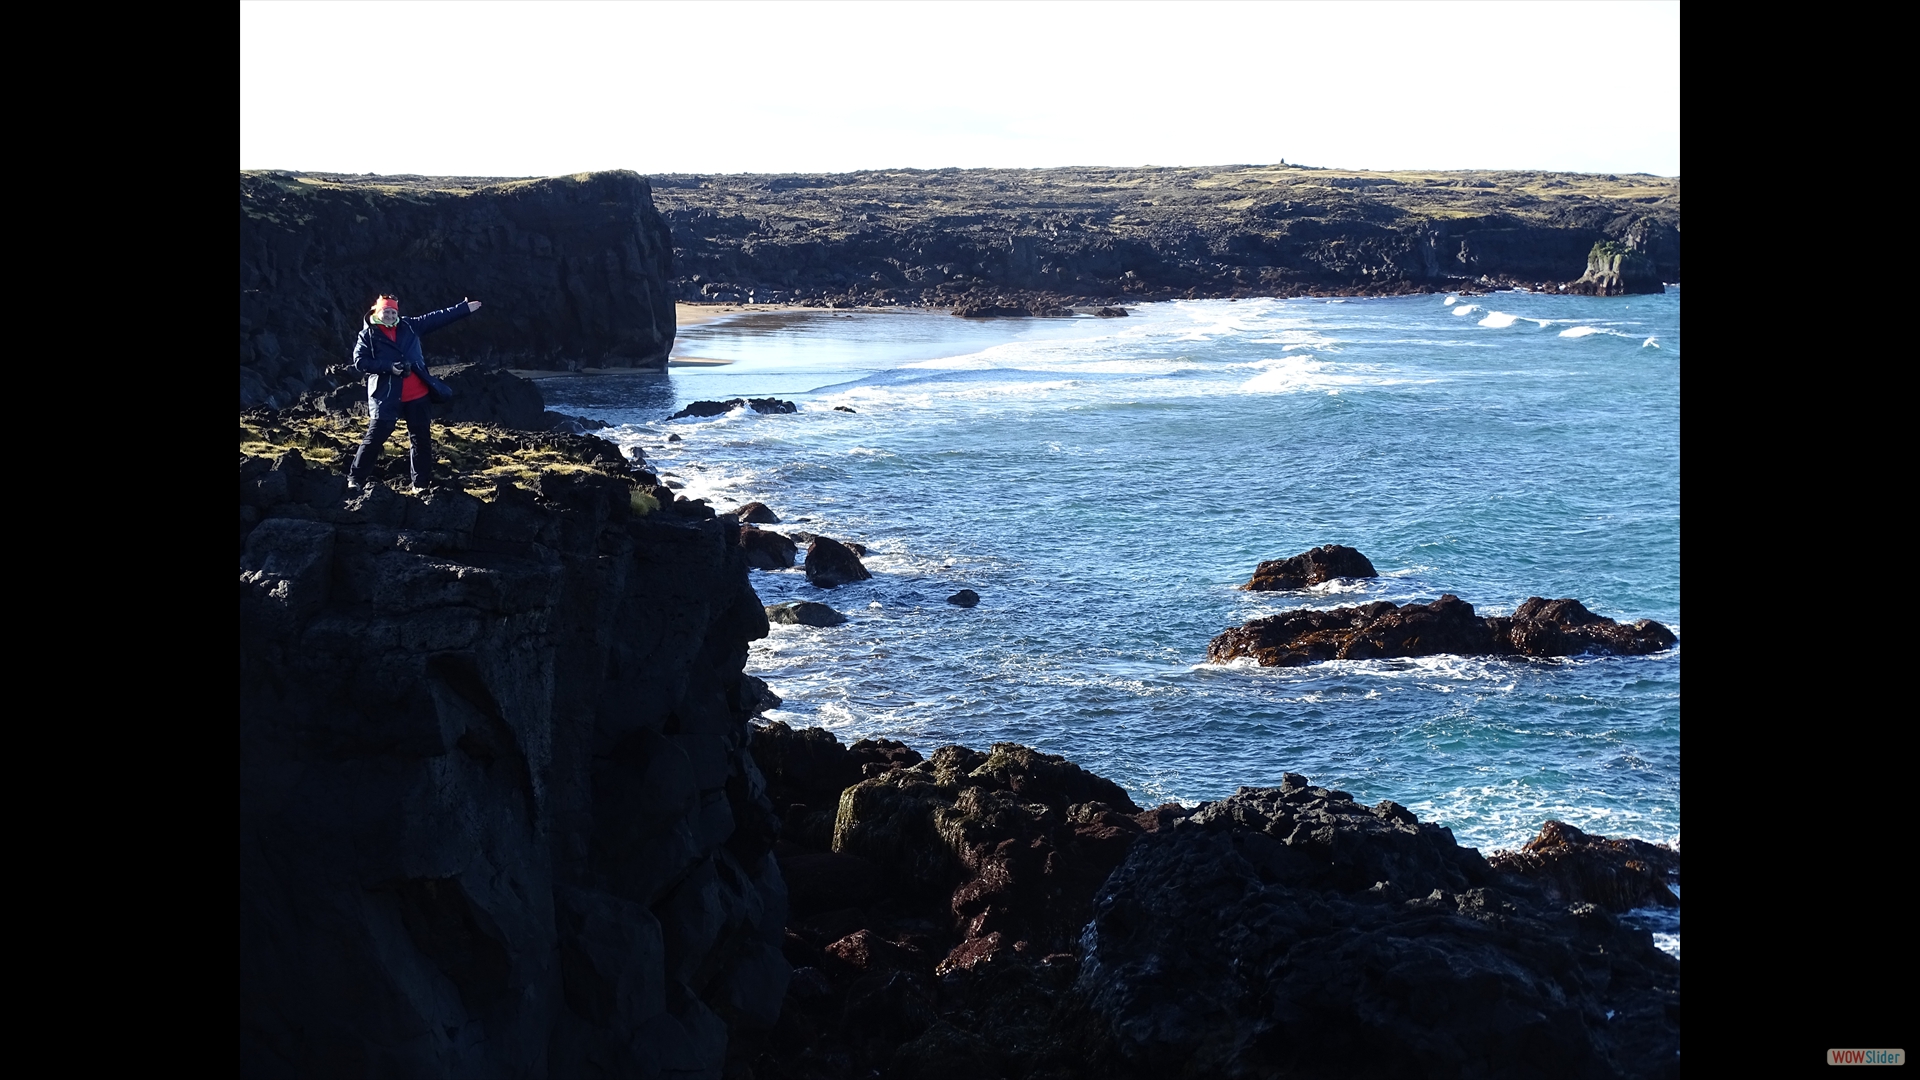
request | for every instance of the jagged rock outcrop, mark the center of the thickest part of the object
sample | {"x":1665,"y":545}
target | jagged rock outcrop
{"x":1291,"y":931}
{"x":767,"y":550}
{"x":831,"y":564}
{"x":1038,"y":241}
{"x":498,"y":815}
{"x":1324,"y":563}
{"x":1008,"y":914}
{"x":1574,"y":867}
{"x":1381,"y":630}
{"x":804,"y":613}
{"x":573,"y":270}
{"x":1616,"y":269}
{"x":721,"y":408}
{"x":936,"y":902}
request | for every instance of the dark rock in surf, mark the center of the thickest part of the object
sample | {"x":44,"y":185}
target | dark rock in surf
{"x":1292,"y":931}
{"x":1018,"y":304}
{"x":1573,"y":867}
{"x":831,"y":564}
{"x":721,"y":408}
{"x":768,"y":550}
{"x":1111,"y":313}
{"x":804,"y":613}
{"x":756,"y":513}
{"x":1323,"y":563}
{"x":1381,"y":630}
{"x":964,"y":598}
{"x":844,"y":408}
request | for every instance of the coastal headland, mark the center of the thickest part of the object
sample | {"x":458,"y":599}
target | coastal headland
{"x":1032,"y":241}
{"x":509,"y":807}
{"x":584,"y":271}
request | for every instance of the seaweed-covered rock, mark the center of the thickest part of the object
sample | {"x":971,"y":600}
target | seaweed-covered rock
{"x":1448,"y":625}
{"x":1311,"y":567}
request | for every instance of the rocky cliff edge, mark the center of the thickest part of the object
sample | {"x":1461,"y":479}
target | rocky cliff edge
{"x":574,"y":270}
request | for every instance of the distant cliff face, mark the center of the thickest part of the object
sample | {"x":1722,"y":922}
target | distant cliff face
{"x":573,"y":271}
{"x":944,"y":236}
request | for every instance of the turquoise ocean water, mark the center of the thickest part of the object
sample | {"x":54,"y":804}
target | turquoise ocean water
{"x":1105,"y":484}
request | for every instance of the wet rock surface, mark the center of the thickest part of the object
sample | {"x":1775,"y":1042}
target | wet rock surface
{"x":804,"y":613}
{"x":767,"y":550}
{"x":964,"y":598}
{"x":831,"y":564}
{"x":1324,"y":563}
{"x":721,"y":408}
{"x":1382,"y":630}
{"x":756,"y":513}
{"x":1575,"y":867}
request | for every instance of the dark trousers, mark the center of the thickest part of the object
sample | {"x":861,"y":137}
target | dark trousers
{"x":418,"y":414}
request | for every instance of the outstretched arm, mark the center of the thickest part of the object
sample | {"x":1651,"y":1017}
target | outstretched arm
{"x":434,"y":320}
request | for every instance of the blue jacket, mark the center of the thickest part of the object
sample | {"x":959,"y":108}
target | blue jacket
{"x":375,"y":355}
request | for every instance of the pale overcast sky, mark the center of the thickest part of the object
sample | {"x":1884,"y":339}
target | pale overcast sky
{"x":534,"y":89}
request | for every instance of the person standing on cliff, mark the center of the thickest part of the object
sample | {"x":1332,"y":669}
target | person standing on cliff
{"x":388,"y":350}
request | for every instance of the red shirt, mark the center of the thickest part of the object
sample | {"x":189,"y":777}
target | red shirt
{"x":415,"y":387}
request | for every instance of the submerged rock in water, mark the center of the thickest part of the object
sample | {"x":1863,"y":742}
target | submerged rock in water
{"x":1573,"y":867}
{"x":1292,"y":931}
{"x":964,"y":598}
{"x":721,"y":408}
{"x":831,"y":564}
{"x":1381,"y":630}
{"x":768,"y":550}
{"x":1323,"y":563}
{"x":804,"y":613}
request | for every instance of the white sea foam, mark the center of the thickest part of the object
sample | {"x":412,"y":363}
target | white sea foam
{"x":1451,"y":300}
{"x":1464,"y":308}
{"x":1498,"y":319}
{"x":1652,"y":342}
{"x":1581,"y":331}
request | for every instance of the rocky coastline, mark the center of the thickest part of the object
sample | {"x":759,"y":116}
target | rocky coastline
{"x":584,"y":270}
{"x":1052,"y":241}
{"x":509,"y":807}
